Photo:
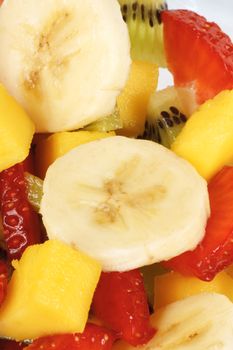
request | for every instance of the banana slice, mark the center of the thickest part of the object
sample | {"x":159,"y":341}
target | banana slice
{"x":201,"y":322}
{"x":125,"y":202}
{"x":65,"y":61}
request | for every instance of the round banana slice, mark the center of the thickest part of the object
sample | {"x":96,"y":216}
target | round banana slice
{"x":64,"y":61}
{"x":200,"y":322}
{"x":125,"y":202}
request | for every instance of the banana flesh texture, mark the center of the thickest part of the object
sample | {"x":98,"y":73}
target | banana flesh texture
{"x":126,"y":202}
{"x":64,"y":61}
{"x":201,"y":322}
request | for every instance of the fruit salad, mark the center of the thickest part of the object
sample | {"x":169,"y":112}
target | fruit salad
{"x":116,"y":197}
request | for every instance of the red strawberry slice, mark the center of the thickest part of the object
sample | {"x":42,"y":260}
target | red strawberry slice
{"x":120,"y":302}
{"x":198,"y":53}
{"x":215,"y":252}
{"x":3,"y":281}
{"x":20,"y":222}
{"x":93,"y":338}
{"x":6,"y":344}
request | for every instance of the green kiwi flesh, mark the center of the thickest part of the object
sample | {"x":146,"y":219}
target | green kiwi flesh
{"x":143,"y":18}
{"x":34,"y":186}
{"x":167,"y":113}
{"x":109,"y":123}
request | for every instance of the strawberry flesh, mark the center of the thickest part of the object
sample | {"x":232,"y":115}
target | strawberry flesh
{"x":20,"y":222}
{"x":120,"y":301}
{"x":6,"y":344}
{"x":198,"y":53}
{"x":3,"y":280}
{"x":215,"y":252}
{"x":93,"y":338}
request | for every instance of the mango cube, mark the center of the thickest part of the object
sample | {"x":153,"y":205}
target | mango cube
{"x":206,"y":141}
{"x":16,"y":131}
{"x":172,"y":286}
{"x":56,"y":145}
{"x":133,"y":101}
{"x":50,"y":292}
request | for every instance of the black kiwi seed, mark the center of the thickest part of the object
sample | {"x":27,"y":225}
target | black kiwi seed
{"x":158,"y":16}
{"x":151,"y":18}
{"x":165,"y":114}
{"x":143,"y":12}
{"x":160,"y":124}
{"x":183,"y":117}
{"x":124,"y":9}
{"x":176,"y":120}
{"x":134,"y":6}
{"x":174,"y":110}
{"x":169,"y":122}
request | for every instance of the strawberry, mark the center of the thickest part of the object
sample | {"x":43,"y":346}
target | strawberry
{"x":20,"y":222}
{"x":120,"y":302}
{"x":198,"y":53}
{"x":6,"y":344}
{"x":215,"y":252}
{"x":3,"y":280}
{"x":93,"y":338}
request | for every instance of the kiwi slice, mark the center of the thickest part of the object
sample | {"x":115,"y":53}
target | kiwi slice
{"x":143,"y":18}
{"x":167,"y":113}
{"x":109,"y":123}
{"x":34,"y":187}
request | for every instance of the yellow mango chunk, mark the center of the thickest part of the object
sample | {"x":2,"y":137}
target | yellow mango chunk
{"x":172,"y":286}
{"x":16,"y":131}
{"x":206,"y":141}
{"x":50,"y":292}
{"x":132,"y":102}
{"x":56,"y":145}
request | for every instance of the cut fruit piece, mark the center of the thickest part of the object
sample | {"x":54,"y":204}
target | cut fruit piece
{"x":112,"y":193}
{"x":34,"y":186}
{"x":6,"y":344}
{"x":56,"y":145}
{"x":50,"y":292}
{"x":3,"y":280}
{"x":20,"y":223}
{"x":206,"y":141}
{"x":143,"y":19}
{"x":93,"y":338}
{"x":167,"y":113}
{"x":203,"y":321}
{"x":215,"y":252}
{"x":172,"y":286}
{"x":110,"y":123}
{"x":16,"y":131}
{"x":132,"y":102}
{"x":65,"y":71}
{"x":120,"y":302}
{"x":200,"y":56}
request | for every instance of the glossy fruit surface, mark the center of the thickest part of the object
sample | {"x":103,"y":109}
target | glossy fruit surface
{"x":93,"y":338}
{"x":200,"y":56}
{"x":120,"y":301}
{"x":215,"y":252}
{"x":20,"y":222}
